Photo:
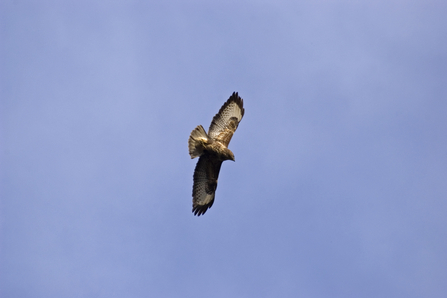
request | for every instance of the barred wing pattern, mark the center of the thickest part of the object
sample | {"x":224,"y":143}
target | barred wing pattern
{"x":205,"y":183}
{"x":225,"y":122}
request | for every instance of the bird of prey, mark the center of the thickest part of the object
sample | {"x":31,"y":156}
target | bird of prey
{"x":212,"y":150}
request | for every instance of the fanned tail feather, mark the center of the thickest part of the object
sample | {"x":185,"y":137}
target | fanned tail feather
{"x":196,"y":139}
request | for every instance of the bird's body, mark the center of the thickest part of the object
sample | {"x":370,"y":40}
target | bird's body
{"x":200,"y":143}
{"x":212,"y":149}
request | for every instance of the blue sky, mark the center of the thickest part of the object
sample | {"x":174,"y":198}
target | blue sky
{"x":339,"y":185}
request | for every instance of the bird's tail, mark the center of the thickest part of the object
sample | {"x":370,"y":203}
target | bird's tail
{"x":196,"y":141}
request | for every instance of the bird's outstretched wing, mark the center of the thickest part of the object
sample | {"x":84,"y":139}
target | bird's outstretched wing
{"x":205,"y":183}
{"x":225,"y":122}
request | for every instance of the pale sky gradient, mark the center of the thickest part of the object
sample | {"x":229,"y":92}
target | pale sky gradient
{"x":339,"y":188}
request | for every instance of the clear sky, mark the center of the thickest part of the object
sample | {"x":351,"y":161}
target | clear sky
{"x":339,"y":188}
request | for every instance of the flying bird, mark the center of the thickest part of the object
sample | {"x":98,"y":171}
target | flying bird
{"x":212,"y":148}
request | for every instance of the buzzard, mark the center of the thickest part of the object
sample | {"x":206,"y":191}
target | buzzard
{"x":212,"y":149}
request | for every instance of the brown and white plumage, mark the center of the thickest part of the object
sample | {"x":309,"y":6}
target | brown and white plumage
{"x":212,"y":149}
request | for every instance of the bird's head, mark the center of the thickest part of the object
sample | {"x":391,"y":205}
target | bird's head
{"x":231,"y":156}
